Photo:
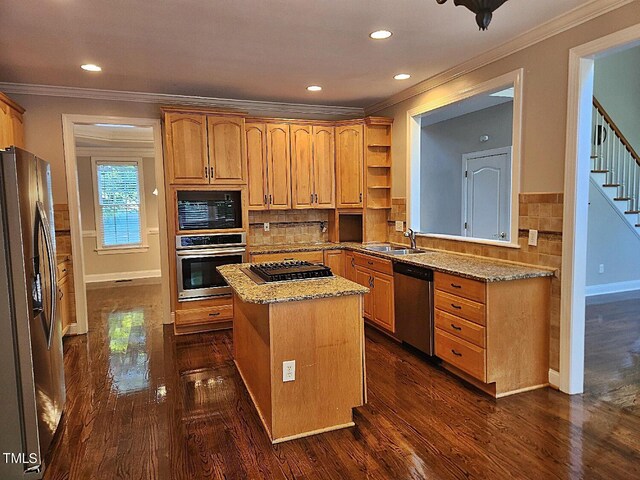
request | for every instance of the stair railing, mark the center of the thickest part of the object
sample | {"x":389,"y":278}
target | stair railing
{"x":612,"y":153}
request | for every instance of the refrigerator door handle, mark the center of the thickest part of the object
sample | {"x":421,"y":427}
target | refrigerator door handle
{"x":46,"y":230}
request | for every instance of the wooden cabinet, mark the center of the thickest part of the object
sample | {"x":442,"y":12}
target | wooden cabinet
{"x":314,"y":256}
{"x":269,"y":165}
{"x":495,"y":335}
{"x":205,"y":149}
{"x":279,"y":167}
{"x":350,"y":266}
{"x":203,"y":315}
{"x":312,"y":166}
{"x":364,"y":278}
{"x":186,"y":148}
{"x":376,"y":274}
{"x":256,"y":140}
{"x":66,"y":307}
{"x":302,"y":188}
{"x":349,"y":166}
{"x":334,"y":259}
{"x":324,"y":166}
{"x":227,"y":150}
{"x":11,"y":123}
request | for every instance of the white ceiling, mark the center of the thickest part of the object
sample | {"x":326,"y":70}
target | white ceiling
{"x":251,"y":49}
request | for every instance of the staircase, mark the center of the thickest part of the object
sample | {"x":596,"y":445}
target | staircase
{"x":615,"y":166}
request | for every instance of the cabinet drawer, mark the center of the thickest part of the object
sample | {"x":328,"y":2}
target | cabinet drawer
{"x":315,"y":256}
{"x":471,"y":289}
{"x":374,"y":263}
{"x":200,"y":316}
{"x":459,"y":327}
{"x":63,"y":269}
{"x":461,"y":307}
{"x":461,"y":354}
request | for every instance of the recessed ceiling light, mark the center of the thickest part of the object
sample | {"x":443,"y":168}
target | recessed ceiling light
{"x":402,"y":76}
{"x":314,"y":88}
{"x":90,"y":67}
{"x":380,"y":34}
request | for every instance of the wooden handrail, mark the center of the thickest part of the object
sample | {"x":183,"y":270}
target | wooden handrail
{"x":616,"y":130}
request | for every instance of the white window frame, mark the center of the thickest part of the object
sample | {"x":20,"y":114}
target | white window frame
{"x":102,"y":249}
{"x":515,"y":79}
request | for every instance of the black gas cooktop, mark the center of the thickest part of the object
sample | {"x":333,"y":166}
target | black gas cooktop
{"x":295,"y":270}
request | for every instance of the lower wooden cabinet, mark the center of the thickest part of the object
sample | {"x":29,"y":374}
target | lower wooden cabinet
{"x":198,"y":316}
{"x":350,"y":266}
{"x":315,"y":256}
{"x":334,"y":259}
{"x":379,"y":303}
{"x":495,"y":335}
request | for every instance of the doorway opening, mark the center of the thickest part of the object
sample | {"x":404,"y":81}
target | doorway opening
{"x":115,"y":184}
{"x":598,"y":167}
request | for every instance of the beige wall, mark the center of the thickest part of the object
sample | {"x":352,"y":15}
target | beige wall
{"x":545,"y":101}
{"x":118,"y":263}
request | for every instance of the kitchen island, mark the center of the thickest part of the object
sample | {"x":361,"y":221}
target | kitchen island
{"x":316,"y":323}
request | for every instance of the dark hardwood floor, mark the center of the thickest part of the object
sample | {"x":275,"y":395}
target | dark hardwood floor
{"x":144,"y":404}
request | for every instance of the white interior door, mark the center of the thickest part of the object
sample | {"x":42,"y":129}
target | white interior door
{"x":487,"y":194}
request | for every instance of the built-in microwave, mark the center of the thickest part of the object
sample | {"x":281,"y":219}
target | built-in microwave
{"x":209,"y":210}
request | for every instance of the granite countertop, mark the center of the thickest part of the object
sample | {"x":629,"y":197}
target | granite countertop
{"x":476,"y":268}
{"x":277,"y":292}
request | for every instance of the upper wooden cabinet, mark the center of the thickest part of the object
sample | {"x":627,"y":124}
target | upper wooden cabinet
{"x":313,"y":166}
{"x":256,"y":135}
{"x":227,"y":150}
{"x":302,"y":188}
{"x":349,"y":166}
{"x":205,"y":149}
{"x":269,"y":165}
{"x":11,"y":123}
{"x":186,"y":147}
{"x":278,"y":166}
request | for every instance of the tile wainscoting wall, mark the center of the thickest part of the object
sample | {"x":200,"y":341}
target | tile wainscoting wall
{"x":288,"y":226}
{"x":541,"y":211}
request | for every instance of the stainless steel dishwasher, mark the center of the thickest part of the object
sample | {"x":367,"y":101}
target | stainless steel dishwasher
{"x":413,"y":291}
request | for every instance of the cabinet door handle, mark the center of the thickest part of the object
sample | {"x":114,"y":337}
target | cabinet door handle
{"x":266,"y":199}
{"x":455,"y":327}
{"x":270,"y":199}
{"x":456,"y":286}
{"x":353,"y":262}
{"x":211,"y":174}
{"x":214,"y":314}
{"x":311,"y":198}
{"x":370,"y":263}
{"x":206,"y":172}
{"x":289,"y":259}
{"x":316,"y":197}
{"x":457,"y":307}
{"x":456,"y":353}
{"x":361,"y":197}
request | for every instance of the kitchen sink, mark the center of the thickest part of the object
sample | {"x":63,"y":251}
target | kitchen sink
{"x":405,"y":251}
{"x":380,"y":248}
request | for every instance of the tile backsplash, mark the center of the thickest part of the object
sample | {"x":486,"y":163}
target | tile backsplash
{"x":540,"y":211}
{"x":288,"y":226}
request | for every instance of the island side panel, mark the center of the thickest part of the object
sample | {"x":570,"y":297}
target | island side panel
{"x":251,"y":346}
{"x":518,"y":316}
{"x":325,"y":338}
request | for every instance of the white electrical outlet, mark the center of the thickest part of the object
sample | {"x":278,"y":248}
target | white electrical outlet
{"x":266,"y":226}
{"x":601,"y":268}
{"x":289,"y":371}
{"x":533,"y":238}
{"x":399,"y":226}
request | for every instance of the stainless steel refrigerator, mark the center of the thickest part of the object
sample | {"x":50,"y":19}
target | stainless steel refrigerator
{"x":32,"y":392}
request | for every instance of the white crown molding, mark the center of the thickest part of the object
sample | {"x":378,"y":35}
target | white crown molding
{"x":252,"y":106}
{"x":115,"y":152}
{"x":572,"y":18}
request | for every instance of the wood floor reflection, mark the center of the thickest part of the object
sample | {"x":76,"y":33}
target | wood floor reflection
{"x":144,"y":404}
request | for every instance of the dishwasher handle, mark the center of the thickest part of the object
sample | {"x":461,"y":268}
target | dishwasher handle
{"x":413,"y":271}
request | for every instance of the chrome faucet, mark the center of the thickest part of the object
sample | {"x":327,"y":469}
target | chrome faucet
{"x":411,"y":235}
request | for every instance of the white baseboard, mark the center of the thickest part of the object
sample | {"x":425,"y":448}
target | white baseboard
{"x":113,"y":277}
{"x":554,"y":378}
{"x":617,"y":287}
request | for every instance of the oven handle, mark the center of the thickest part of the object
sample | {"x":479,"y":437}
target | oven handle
{"x":192,"y":253}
